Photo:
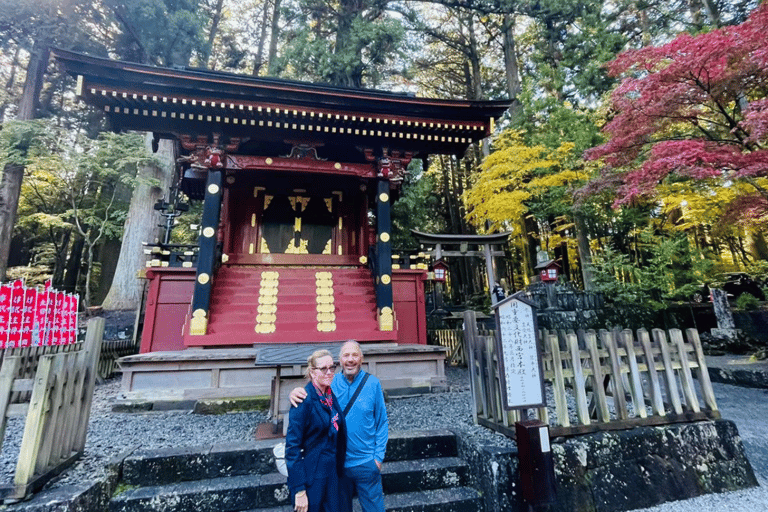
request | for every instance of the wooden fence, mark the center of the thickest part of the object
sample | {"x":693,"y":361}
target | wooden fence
{"x":607,"y":380}
{"x":56,"y":402}
{"x":453,"y":340}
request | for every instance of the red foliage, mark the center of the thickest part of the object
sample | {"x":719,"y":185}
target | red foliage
{"x":679,"y":108}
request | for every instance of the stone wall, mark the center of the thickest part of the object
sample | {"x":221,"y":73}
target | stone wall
{"x":563,"y":306}
{"x":621,"y":470}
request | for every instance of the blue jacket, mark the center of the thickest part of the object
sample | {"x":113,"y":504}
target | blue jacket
{"x":308,"y":437}
{"x":366,"y":422}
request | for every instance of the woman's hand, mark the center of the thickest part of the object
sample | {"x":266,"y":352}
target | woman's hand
{"x":301,"y":503}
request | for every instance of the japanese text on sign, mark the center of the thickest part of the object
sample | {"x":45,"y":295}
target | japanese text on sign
{"x":519,"y":356}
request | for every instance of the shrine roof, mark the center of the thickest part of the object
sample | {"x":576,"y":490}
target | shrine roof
{"x":184,"y":100}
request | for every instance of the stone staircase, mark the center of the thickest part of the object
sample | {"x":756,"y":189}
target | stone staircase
{"x":422,"y":474}
{"x":278,"y":304}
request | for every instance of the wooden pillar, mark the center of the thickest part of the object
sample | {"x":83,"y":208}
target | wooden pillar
{"x":383,"y":272}
{"x":206,"y":259}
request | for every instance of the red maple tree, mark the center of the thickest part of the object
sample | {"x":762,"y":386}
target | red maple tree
{"x":696,"y":107}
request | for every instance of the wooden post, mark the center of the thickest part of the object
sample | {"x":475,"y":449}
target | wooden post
{"x":685,"y":370}
{"x":638,"y":398}
{"x":470,"y":337}
{"x":561,"y":406}
{"x":702,"y":374}
{"x":92,"y":348}
{"x":619,"y":401}
{"x":597,"y":376}
{"x":582,"y":408}
{"x":206,"y":259}
{"x":669,"y":371}
{"x":657,"y":402}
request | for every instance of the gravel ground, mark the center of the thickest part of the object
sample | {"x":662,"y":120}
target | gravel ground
{"x":111,"y":434}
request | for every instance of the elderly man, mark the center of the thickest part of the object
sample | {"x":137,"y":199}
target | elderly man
{"x":360,"y":396}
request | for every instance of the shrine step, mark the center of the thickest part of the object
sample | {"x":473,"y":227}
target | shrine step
{"x":422,"y":473}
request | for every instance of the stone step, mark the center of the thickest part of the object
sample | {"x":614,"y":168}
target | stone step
{"x":457,"y":499}
{"x":242,"y":492}
{"x":215,"y":495}
{"x":423,"y":474}
{"x":159,"y":467}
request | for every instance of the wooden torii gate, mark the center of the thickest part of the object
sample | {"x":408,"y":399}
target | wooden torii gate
{"x":485,"y":242}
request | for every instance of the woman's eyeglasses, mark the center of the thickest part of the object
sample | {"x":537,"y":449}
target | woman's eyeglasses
{"x":327,"y":369}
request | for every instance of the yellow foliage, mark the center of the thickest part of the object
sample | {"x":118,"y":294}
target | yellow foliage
{"x":512,"y":175}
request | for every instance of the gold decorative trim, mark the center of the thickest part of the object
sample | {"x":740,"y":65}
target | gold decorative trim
{"x":213,"y":189}
{"x":224,"y":258}
{"x":337,"y":166}
{"x":363,"y":260}
{"x":268,"y":161}
{"x":198,"y":324}
{"x":209,"y":232}
{"x":326,"y":316}
{"x":386,"y":319}
{"x":329,"y":204}
{"x":383,"y":197}
{"x":328,"y":246}
{"x":385,"y":279}
{"x":266,"y":312}
{"x":264,"y":249}
{"x":203,"y":278}
{"x":267,"y":200}
{"x":384,"y":237}
{"x":253,"y":220}
{"x":250,"y":248}
{"x":230,"y":180}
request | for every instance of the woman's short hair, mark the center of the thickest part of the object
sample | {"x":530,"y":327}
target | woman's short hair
{"x":312,"y":360}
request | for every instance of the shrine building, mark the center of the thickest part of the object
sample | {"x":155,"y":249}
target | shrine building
{"x":297,"y":181}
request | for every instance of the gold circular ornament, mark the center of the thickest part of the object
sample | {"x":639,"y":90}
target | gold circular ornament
{"x":208,"y":232}
{"x":385,"y":279}
{"x":386,"y":310}
{"x":203,"y":278}
{"x":213,"y":188}
{"x":363,"y":260}
{"x":198,"y":313}
{"x":383,"y":197}
{"x":337,"y":166}
{"x":384,"y":237}
{"x":268,"y":161}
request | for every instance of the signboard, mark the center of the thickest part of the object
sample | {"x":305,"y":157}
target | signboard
{"x":519,"y":355}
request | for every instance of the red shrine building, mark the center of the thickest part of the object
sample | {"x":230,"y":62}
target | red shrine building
{"x":297,"y":181}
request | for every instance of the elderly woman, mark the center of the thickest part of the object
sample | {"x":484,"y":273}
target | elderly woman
{"x":316,"y":441}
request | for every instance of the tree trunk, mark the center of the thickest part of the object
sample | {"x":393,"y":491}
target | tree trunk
{"x":10,"y":184}
{"x":511,"y":65}
{"x":215,"y":20}
{"x":140,"y":226}
{"x":585,"y":256}
{"x":258,"y":60}
{"x":273,"y":37}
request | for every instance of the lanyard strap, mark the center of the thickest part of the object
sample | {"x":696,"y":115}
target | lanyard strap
{"x":357,"y":392}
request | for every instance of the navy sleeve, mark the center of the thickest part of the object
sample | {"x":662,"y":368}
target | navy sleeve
{"x":297,"y":474}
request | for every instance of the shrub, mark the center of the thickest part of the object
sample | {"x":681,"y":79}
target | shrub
{"x":747,"y":301}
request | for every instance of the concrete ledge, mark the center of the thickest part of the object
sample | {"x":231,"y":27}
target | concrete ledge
{"x":621,"y":470}
{"x":738,"y":370}
{"x":215,"y":374}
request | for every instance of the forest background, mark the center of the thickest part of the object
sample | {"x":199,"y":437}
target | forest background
{"x":633,"y":152}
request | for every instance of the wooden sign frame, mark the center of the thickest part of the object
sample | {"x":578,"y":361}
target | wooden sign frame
{"x":504,"y":357}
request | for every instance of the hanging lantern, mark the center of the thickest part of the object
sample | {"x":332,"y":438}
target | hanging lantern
{"x":440,"y":269}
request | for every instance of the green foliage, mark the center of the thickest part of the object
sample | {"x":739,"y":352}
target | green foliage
{"x":23,"y":141}
{"x":350,"y":44}
{"x":415,"y":209}
{"x":747,"y":302}
{"x":666,"y":270}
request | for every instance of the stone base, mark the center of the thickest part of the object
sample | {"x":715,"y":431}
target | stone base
{"x":731,"y":334}
{"x":622,"y":470}
{"x":204,"y":374}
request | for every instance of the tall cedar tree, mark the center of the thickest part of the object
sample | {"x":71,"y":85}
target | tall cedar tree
{"x":692,"y":109}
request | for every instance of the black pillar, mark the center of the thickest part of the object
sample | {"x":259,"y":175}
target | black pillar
{"x":384,"y":258}
{"x":207,"y":256}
